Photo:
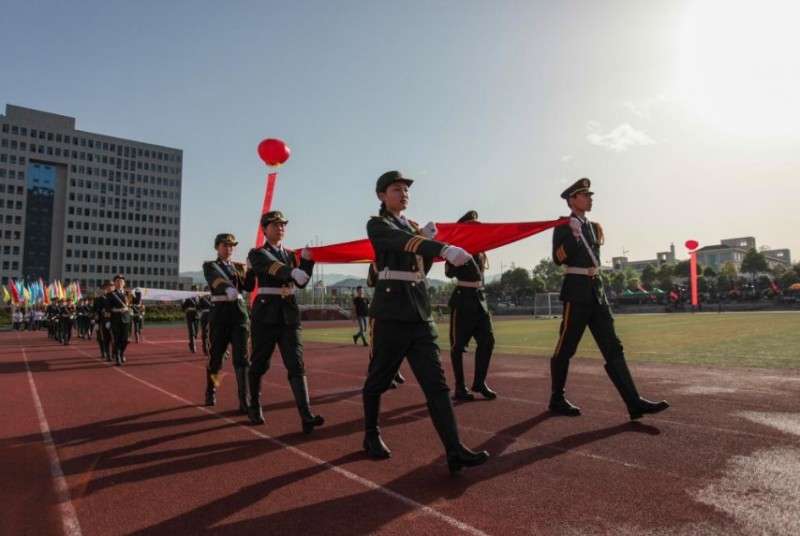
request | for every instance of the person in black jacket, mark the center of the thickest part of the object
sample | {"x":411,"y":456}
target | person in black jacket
{"x":189,"y":307}
{"x":228,"y":320}
{"x":118,"y":318}
{"x":276,"y":317}
{"x":469,"y":317}
{"x":402,"y":324}
{"x":577,"y":247}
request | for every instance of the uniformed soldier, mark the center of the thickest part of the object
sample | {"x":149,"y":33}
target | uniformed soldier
{"x":52,"y":315}
{"x":276,"y":317}
{"x":228,"y":319}
{"x":577,"y":247}
{"x":137,"y":308}
{"x":402,"y":324}
{"x":82,"y":322}
{"x":98,"y":311}
{"x":469,"y":317}
{"x":192,"y":318}
{"x":203,"y":307}
{"x":118,"y":318}
{"x":66,"y":311}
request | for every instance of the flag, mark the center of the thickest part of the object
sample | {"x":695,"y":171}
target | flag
{"x":14,"y":291}
{"x":6,"y":295}
{"x":673,"y":295}
{"x":474,"y":237}
{"x":774,"y":287}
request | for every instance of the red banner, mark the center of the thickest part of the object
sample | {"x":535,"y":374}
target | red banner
{"x":474,"y":237}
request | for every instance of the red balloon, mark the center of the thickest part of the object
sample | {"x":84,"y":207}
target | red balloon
{"x":692,"y":244}
{"x":273,"y":152}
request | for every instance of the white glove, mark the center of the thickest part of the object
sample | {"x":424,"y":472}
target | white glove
{"x":575,"y":226}
{"x":456,"y":256}
{"x":430,"y":230}
{"x":108,"y":325}
{"x":232,"y":293}
{"x":306,"y":253}
{"x":300,"y":276}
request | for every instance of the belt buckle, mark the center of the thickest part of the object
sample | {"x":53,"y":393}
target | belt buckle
{"x":420,"y":277}
{"x":591,"y":272}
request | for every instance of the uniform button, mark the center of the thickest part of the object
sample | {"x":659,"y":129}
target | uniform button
{"x":388,"y":289}
{"x":413,"y":284}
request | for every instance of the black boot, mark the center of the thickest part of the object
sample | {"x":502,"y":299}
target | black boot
{"x":255,"y":413}
{"x":461,"y":391}
{"x":398,"y":378}
{"x":558,"y":378}
{"x":211,"y":391}
{"x":483,"y":355}
{"x":300,"y":389}
{"x":191,"y":346}
{"x":620,"y":376}
{"x":373,"y":444}
{"x":444,"y":420}
{"x":241,"y":386}
{"x":355,"y":338}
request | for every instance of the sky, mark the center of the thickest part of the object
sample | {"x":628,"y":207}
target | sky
{"x":685,"y":115}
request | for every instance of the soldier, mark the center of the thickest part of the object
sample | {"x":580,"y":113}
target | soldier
{"x":53,"y":314}
{"x":98,"y":311}
{"x":469,"y":317}
{"x":81,"y":318}
{"x":203,"y":307}
{"x":577,"y":246}
{"x":66,"y":311}
{"x":190,"y":310}
{"x":402,"y":325}
{"x":137,"y":308}
{"x":276,"y":317}
{"x":228,"y":320}
{"x":118,"y":318}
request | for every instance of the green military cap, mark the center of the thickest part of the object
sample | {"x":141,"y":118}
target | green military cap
{"x":225,"y":238}
{"x":388,"y":178}
{"x":274,"y":216}
{"x":119,"y":276}
{"x":469,"y":216}
{"x":581,"y":185}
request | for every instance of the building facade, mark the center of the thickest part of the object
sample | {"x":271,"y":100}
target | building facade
{"x":734,"y":250}
{"x":82,"y":206}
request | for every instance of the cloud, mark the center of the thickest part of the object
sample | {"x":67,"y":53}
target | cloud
{"x":644,"y":108}
{"x":620,"y":139}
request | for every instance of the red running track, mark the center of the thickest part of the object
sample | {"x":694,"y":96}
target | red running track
{"x":94,"y":449}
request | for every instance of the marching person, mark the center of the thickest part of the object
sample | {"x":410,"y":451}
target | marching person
{"x":577,"y":247}
{"x":98,"y":313}
{"x":402,"y":325}
{"x":276,"y":317}
{"x":118,"y":318}
{"x":203,"y":307}
{"x":67,"y":313}
{"x":372,"y":279}
{"x":360,"y":314}
{"x":227,"y":320}
{"x":189,"y":306}
{"x":137,"y":308}
{"x":469,"y":317}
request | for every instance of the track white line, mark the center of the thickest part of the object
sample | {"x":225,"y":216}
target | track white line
{"x":69,"y":518}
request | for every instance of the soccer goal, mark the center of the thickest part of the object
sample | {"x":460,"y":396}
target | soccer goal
{"x":546,"y":305}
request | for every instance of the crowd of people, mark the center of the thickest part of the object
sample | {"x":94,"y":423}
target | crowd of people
{"x":396,"y":325}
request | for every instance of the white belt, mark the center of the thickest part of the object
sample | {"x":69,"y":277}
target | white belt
{"x":574,"y":270}
{"x":400,"y":275}
{"x":471,"y":284}
{"x":226,"y":298}
{"x":276,"y":291}
{"x":190,"y":309}
{"x":119,"y":310}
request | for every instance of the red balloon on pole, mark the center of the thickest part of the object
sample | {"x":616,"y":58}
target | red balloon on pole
{"x":273,"y":152}
{"x":692,"y":244}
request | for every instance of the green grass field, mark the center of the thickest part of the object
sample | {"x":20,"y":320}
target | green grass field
{"x":761,"y":339}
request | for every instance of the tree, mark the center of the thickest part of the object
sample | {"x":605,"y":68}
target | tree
{"x":682,"y":268}
{"x":617,"y":281}
{"x":551,"y":274}
{"x":649,"y":276}
{"x":664,"y":276}
{"x":709,"y":272}
{"x":754,"y":263}
{"x":517,"y":282}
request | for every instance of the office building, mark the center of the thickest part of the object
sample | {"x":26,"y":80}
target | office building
{"x":82,"y":206}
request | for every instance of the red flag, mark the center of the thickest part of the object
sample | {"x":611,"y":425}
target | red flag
{"x":474,"y":237}
{"x":774,"y":287}
{"x":673,"y":295}
{"x":14,"y":292}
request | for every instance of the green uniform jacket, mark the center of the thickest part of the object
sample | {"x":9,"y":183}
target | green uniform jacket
{"x":397,"y":248}
{"x":273,"y":272}
{"x":232,"y":312}
{"x":570,"y":251}
{"x":467,"y":299}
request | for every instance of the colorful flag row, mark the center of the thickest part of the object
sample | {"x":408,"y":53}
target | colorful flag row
{"x":19,"y":292}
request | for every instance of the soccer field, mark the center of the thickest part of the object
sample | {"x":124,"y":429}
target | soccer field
{"x":752,"y":339}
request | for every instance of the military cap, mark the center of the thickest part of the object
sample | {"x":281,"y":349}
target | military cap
{"x":581,"y":185}
{"x":273,"y":216}
{"x":119,"y":276}
{"x":225,"y":238}
{"x":469,"y":216}
{"x":388,"y":178}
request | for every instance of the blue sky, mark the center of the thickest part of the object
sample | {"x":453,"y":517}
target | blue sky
{"x":682,"y":113}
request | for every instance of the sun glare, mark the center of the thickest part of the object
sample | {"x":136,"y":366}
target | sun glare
{"x":740,"y":65}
